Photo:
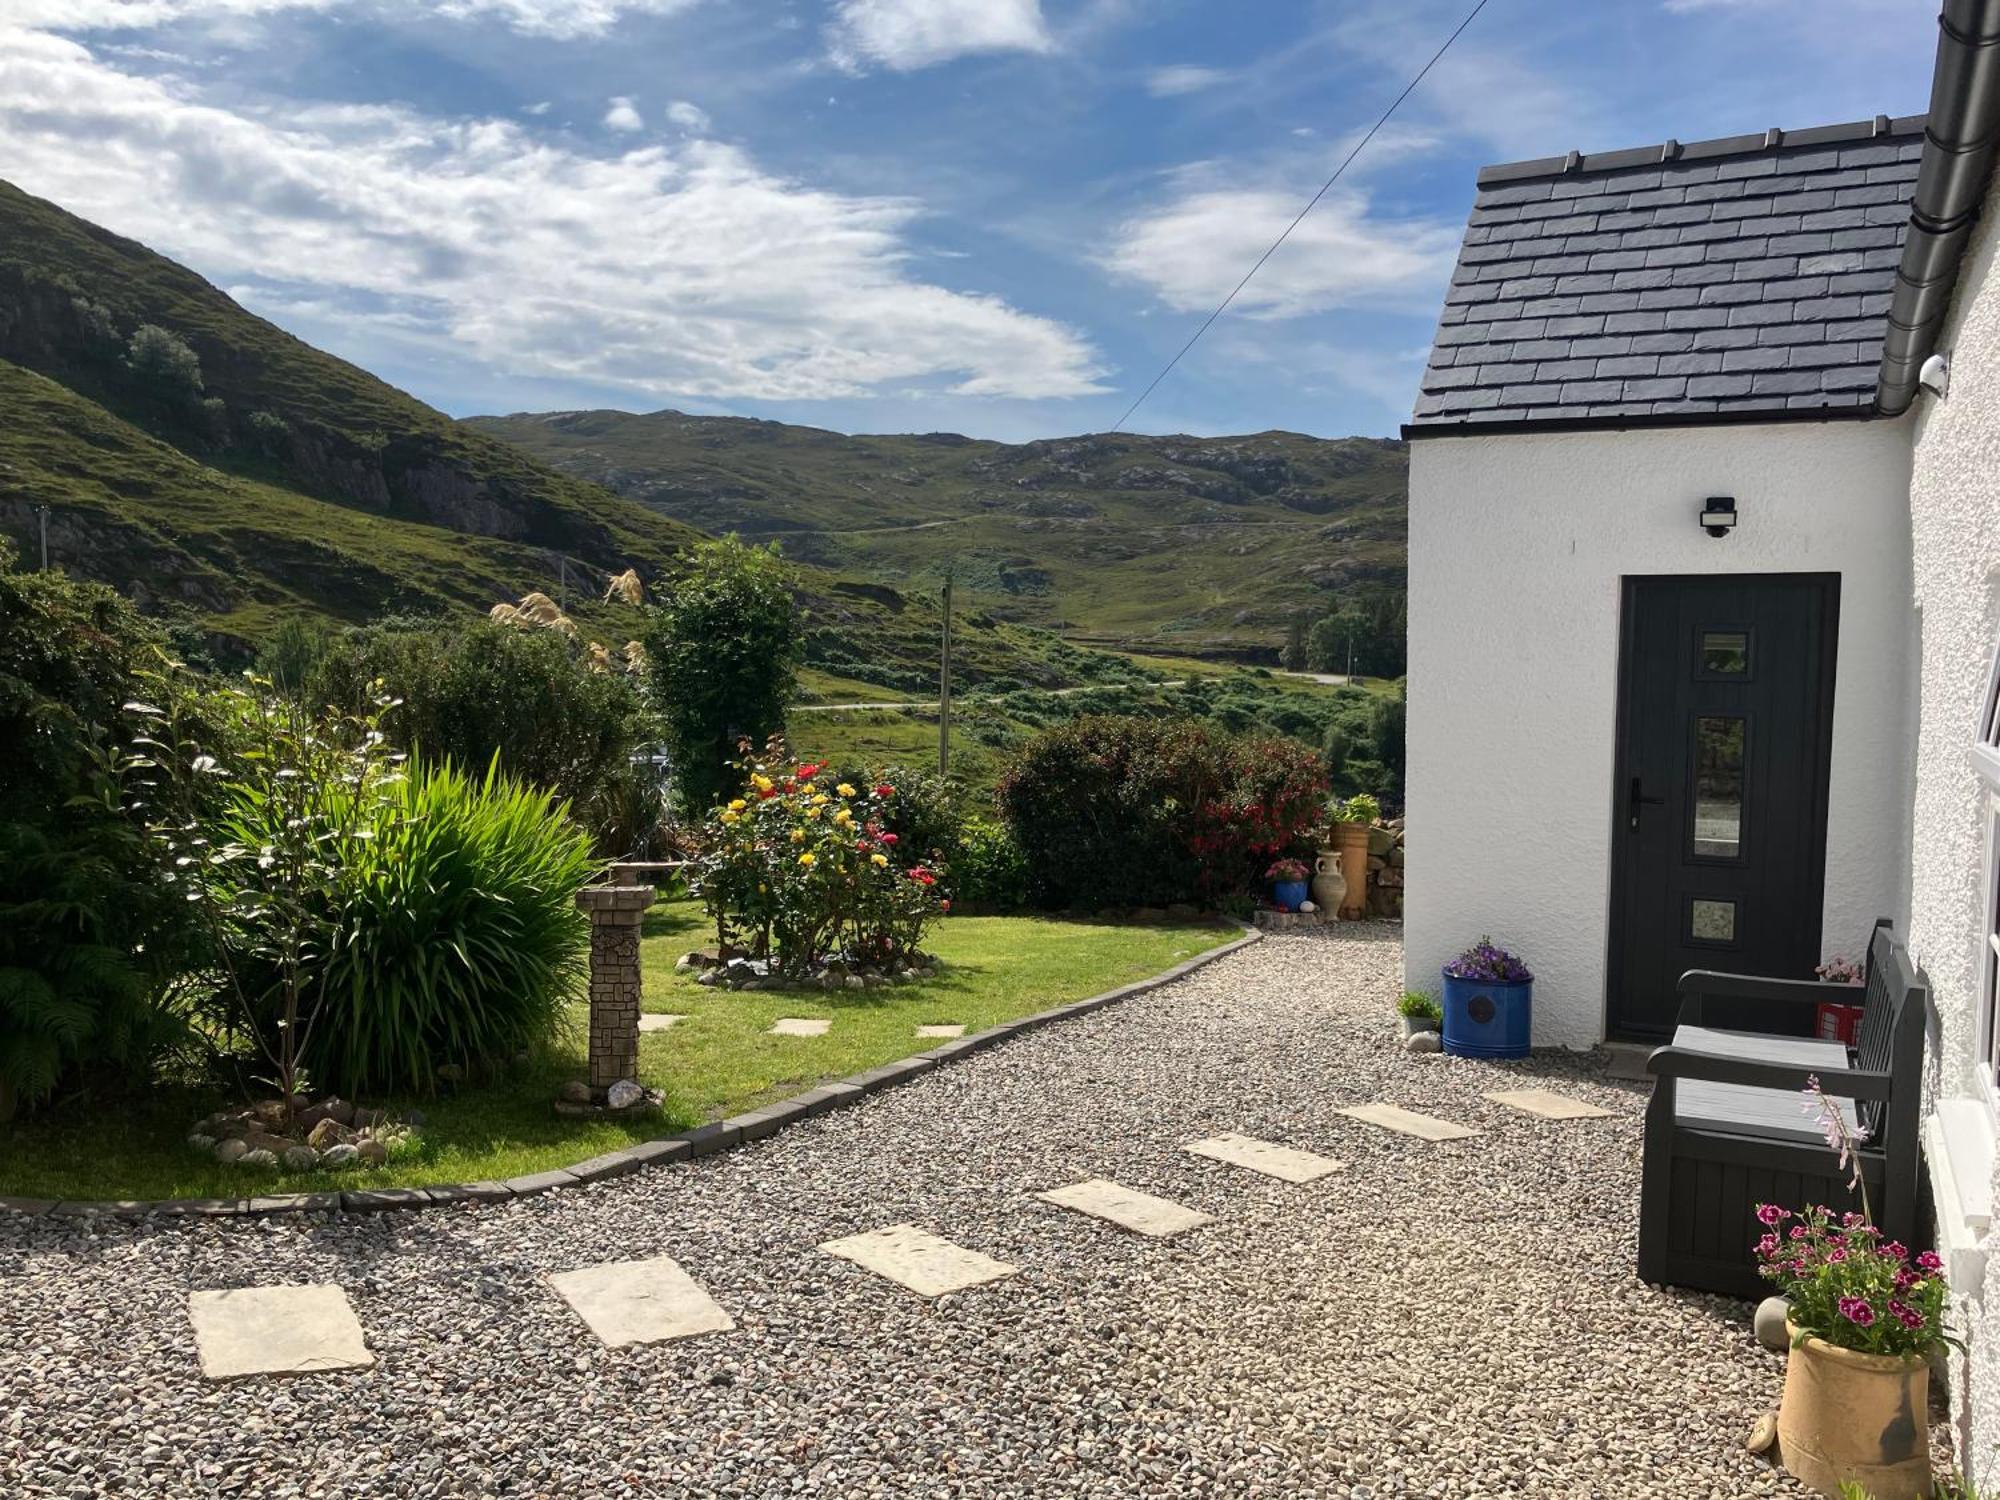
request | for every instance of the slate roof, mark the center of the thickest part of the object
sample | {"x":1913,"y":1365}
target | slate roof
{"x":1739,"y":278}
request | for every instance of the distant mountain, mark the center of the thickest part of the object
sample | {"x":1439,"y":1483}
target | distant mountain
{"x":221,"y":466}
{"x":1168,"y":542}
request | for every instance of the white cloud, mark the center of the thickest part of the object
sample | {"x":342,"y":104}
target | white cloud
{"x":621,"y":114}
{"x":540,"y":107}
{"x":1183,"y":78}
{"x":1192,"y":248}
{"x":907,"y":34}
{"x":690,"y":117}
{"x":673,"y":271}
{"x":555,"y":18}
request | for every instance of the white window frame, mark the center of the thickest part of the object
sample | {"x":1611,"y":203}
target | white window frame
{"x":1962,"y":1133}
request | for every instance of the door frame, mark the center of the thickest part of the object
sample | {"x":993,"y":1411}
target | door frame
{"x":1813,"y":895}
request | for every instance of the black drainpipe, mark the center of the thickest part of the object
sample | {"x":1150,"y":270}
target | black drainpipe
{"x":1959,"y":139}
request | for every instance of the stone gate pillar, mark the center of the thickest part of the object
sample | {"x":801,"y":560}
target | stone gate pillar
{"x":615,"y":912}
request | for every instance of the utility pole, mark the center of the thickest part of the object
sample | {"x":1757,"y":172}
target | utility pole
{"x":43,"y":512}
{"x":944,"y":683}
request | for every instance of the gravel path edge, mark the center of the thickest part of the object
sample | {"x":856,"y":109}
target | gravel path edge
{"x":687,"y":1145}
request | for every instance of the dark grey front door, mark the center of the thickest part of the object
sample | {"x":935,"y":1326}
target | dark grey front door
{"x":1719,"y":834}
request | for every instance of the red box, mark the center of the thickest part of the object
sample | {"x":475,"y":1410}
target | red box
{"x":1839,"y":1023}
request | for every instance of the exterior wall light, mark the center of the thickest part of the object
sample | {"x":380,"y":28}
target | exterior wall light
{"x":1718,"y":515}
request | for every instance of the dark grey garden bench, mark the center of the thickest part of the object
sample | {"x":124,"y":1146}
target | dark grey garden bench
{"x":1726,"y":1129}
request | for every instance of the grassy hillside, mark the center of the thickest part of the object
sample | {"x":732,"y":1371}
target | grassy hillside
{"x":1176,"y":543}
{"x":289,"y":481}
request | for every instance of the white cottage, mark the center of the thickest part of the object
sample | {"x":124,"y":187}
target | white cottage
{"x":1705,"y":594}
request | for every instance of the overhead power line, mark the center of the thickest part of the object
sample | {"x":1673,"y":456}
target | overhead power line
{"x":1324,"y":188}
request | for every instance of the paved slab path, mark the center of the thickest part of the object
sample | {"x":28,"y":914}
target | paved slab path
{"x":1438,"y":1320}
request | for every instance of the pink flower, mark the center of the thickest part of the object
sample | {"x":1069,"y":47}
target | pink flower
{"x":1768,"y":1245}
{"x":1769,"y":1214}
{"x":1893,"y":1249}
{"x":1908,"y":1316}
{"x":1836,"y":1255}
{"x":1799,"y":1231}
{"x":1929,"y":1261}
{"x":1857,"y":1311}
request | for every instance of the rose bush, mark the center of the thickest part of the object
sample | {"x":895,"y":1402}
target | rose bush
{"x":805,"y":866}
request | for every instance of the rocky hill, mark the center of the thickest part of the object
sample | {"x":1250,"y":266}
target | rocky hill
{"x":1176,"y":543}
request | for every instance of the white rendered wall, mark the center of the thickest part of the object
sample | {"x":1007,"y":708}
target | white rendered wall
{"x":1518,"y":545}
{"x":1955,"y":524}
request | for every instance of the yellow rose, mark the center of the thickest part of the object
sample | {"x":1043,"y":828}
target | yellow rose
{"x":807,"y":859}
{"x":798,"y":835}
{"x":820,"y":800}
{"x":843,"y":817}
{"x":879,"y":861}
{"x":738,"y":805}
{"x":813,"y":813}
{"x":761,"y":782}
{"x":729,"y":817}
{"x":845,"y":790}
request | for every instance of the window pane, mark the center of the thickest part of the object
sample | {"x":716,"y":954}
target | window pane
{"x":1718,"y":786}
{"x":1725,"y":653}
{"x":1713,"y":921}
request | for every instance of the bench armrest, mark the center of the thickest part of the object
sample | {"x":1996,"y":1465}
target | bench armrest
{"x":1698,"y":986}
{"x":1839,"y":1083}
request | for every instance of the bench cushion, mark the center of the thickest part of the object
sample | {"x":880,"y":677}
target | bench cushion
{"x":1774,"y":1114}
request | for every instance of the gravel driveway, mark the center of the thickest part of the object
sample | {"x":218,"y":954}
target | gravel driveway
{"x":1452,"y":1319}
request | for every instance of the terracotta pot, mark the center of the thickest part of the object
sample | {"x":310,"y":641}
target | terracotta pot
{"x":1855,"y":1417}
{"x":1353,"y":840}
{"x":1329,"y":886}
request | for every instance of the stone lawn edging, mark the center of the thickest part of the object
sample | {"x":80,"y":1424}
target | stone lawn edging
{"x":687,"y":1145}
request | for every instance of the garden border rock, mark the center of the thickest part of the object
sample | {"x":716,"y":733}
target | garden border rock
{"x":687,"y":1145}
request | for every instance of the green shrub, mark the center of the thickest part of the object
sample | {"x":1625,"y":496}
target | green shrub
{"x":1417,"y":1006}
{"x":1113,"y":811}
{"x":722,"y":653}
{"x":90,"y":942}
{"x":990,"y":869}
{"x":164,"y":365}
{"x":925,"y":813}
{"x":474,"y":690}
{"x":456,"y":937}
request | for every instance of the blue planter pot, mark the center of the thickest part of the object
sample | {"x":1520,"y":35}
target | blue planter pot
{"x":1487,"y":1020}
{"x":1289,"y":894}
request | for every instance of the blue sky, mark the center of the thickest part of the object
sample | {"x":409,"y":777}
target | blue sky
{"x":990,"y":216}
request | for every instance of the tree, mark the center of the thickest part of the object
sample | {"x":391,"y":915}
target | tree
{"x":722,"y":654}
{"x":163,"y":361}
{"x":1293,"y":657}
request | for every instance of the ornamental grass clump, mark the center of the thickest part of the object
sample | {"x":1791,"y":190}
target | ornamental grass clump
{"x":457,"y":940}
{"x":1487,"y":963}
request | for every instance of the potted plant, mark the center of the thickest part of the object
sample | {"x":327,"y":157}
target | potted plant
{"x":1420,"y":1012}
{"x":1288,"y":884}
{"x":1866,"y":1317}
{"x":1352,"y":817}
{"x":1488,"y":1003}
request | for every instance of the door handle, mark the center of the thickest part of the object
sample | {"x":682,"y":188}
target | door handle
{"x":1638,"y":799}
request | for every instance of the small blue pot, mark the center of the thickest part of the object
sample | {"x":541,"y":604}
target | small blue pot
{"x":1289,"y":894}
{"x":1482,"y":1019}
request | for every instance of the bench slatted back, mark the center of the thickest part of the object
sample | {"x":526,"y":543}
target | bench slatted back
{"x":1885,"y":989}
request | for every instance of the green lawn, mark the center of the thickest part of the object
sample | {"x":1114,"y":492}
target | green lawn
{"x":715,"y":1063}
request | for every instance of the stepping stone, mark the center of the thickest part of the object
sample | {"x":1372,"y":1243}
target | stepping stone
{"x":640,"y":1302}
{"x":276,"y":1330}
{"x":1128,"y":1208}
{"x":927,"y":1264}
{"x":1549,"y":1104}
{"x":940,"y":1031}
{"x":1261,"y":1156}
{"x":800,"y":1026}
{"x":1408,"y":1122}
{"x":658,"y":1022}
